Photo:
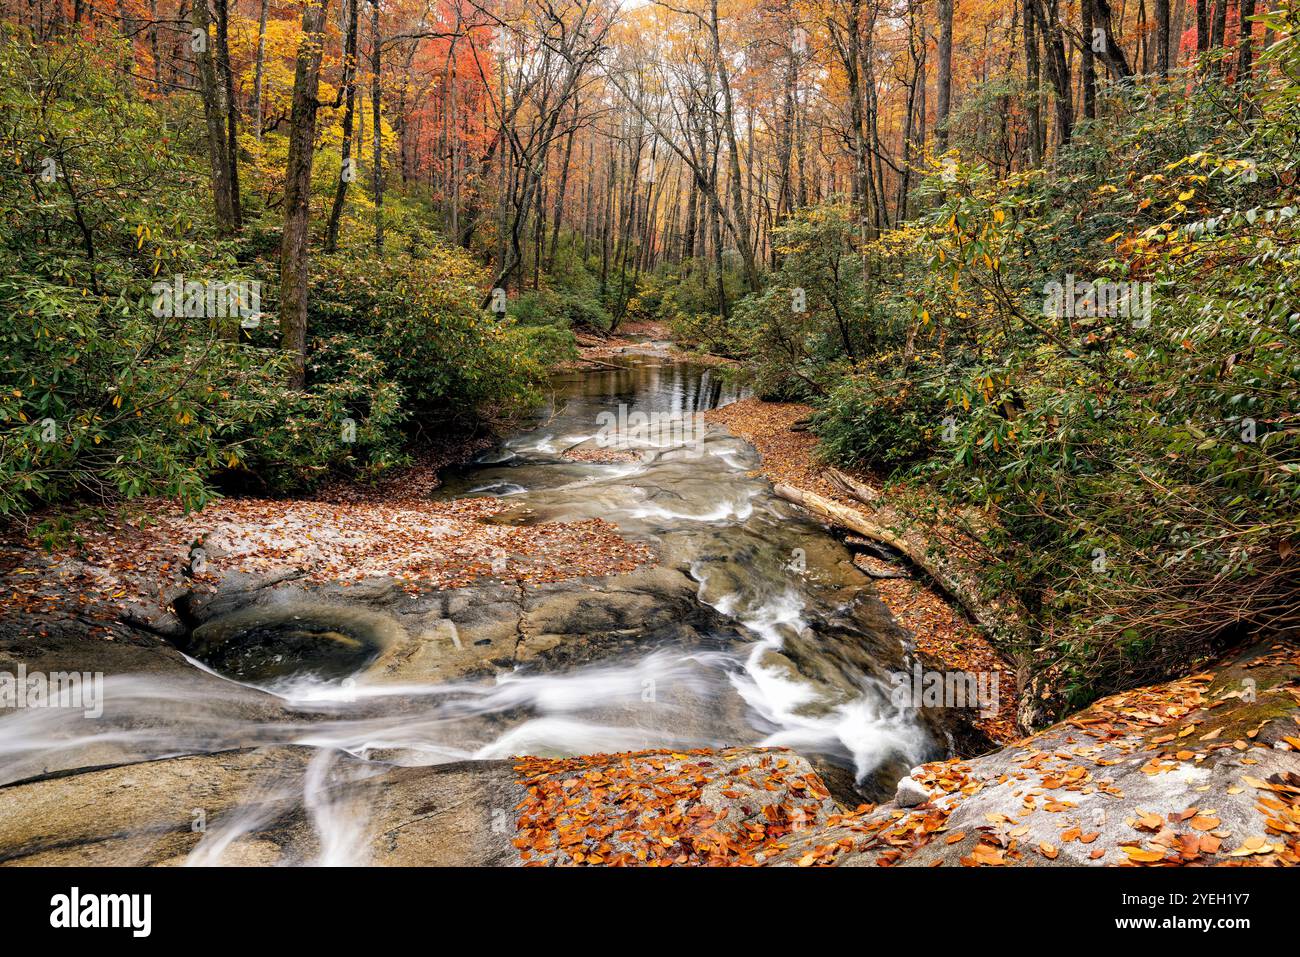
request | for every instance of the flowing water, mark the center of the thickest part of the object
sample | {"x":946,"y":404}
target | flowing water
{"x":797,"y":656}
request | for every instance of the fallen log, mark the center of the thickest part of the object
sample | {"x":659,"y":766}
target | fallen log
{"x":1002,"y":620}
{"x":853,"y":488}
{"x":602,"y":363}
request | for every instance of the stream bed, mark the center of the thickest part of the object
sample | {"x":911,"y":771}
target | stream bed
{"x":754,"y":628}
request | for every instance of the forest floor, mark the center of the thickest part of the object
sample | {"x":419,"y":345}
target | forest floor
{"x":134,"y":558}
{"x":942,"y":632}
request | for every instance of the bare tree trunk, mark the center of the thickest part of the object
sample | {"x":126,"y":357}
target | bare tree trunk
{"x":153,"y":46}
{"x":259,"y":71}
{"x":377,"y":158}
{"x":563,"y":188}
{"x":1244,"y":51}
{"x":213,"y":92}
{"x":1219,"y":26}
{"x":1177,"y":25}
{"x":227,"y":79}
{"x":1087,"y":63}
{"x":1110,"y":52}
{"x":1033,"y":82}
{"x":1058,"y":68}
{"x":297,"y":191}
{"x":346,"y":174}
{"x":943,"y":103}
{"x":739,"y":212}
{"x":1164,"y":60}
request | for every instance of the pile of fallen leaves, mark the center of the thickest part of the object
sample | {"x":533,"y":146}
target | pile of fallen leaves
{"x":146,"y":554}
{"x":413,"y":484}
{"x":600,"y":455}
{"x":788,"y":456}
{"x":897,"y":835}
{"x":657,"y":808}
{"x":1174,"y":725}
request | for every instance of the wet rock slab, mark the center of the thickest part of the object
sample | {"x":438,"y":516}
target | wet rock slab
{"x":1205,"y":770}
{"x":265,"y":806}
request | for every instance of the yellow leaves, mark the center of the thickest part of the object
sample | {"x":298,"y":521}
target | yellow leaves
{"x":1186,"y":195}
{"x":1149,"y":822}
{"x":1114,"y":236}
{"x":1140,"y":856}
{"x":1252,"y":845}
{"x":986,"y":855}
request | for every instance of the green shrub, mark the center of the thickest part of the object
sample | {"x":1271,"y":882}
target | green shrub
{"x":420,"y":317}
{"x":879,"y":420}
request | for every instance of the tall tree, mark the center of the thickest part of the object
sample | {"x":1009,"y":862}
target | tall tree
{"x":1244,"y":51}
{"x":349,"y":91}
{"x":1164,"y":47}
{"x":1047,"y":14}
{"x":739,"y":208}
{"x":943,"y":101}
{"x":1087,"y":61}
{"x":377,"y":119}
{"x":216,"y":113}
{"x":1033,"y":82}
{"x":294,"y":259}
{"x":1106,"y":43}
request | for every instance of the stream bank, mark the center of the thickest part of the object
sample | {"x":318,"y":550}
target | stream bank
{"x":583,"y":587}
{"x":726,"y":702}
